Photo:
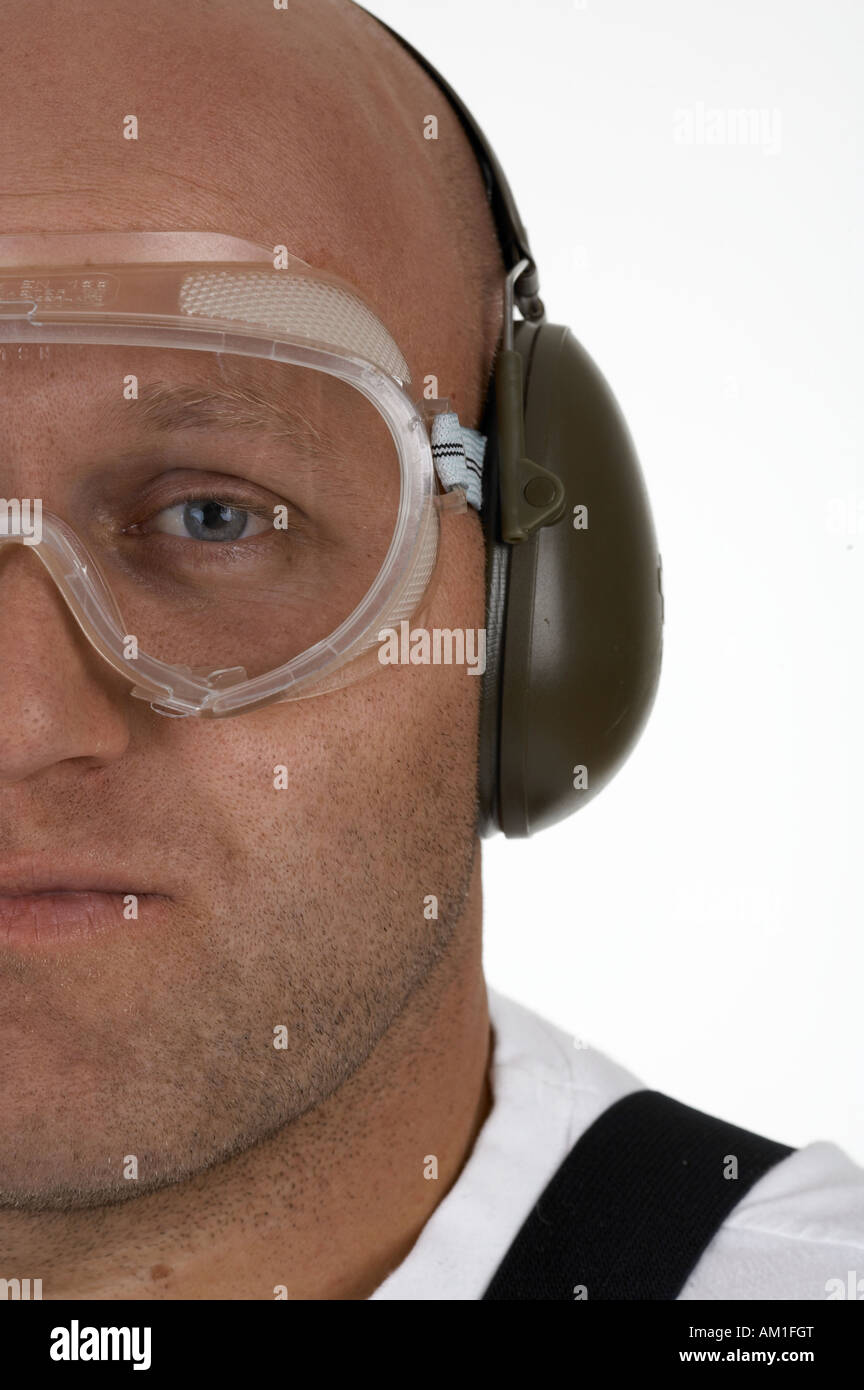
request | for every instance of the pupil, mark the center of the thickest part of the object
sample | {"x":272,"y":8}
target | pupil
{"x":211,"y":521}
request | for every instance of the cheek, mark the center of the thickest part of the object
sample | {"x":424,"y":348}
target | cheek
{"x":432,"y":710}
{"x":399,"y":743}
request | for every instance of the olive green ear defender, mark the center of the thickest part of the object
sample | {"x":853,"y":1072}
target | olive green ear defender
{"x":574,"y":606}
{"x":574,"y":617}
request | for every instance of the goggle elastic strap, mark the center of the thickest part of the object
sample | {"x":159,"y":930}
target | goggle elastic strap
{"x":458,"y":453}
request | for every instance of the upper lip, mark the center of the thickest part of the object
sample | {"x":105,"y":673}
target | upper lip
{"x":23,"y":874}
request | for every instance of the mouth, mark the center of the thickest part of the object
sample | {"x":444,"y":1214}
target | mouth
{"x":41,"y":910}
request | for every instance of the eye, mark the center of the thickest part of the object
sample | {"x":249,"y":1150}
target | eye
{"x":207,"y":519}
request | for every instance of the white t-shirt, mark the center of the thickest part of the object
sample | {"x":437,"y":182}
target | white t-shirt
{"x":799,"y":1226}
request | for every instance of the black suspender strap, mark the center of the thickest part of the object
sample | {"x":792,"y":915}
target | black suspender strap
{"x":634,"y":1204}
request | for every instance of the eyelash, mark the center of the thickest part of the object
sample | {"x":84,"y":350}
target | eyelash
{"x":256,"y":509}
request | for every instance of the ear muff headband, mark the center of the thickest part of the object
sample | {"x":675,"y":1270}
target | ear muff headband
{"x":574,"y":613}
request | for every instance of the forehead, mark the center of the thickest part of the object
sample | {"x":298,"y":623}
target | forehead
{"x":52,"y":389}
{"x":251,"y":120}
{"x":83,"y":375}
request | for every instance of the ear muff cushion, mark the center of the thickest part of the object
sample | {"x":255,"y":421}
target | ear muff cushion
{"x":497,"y":577}
{"x":577,"y":613}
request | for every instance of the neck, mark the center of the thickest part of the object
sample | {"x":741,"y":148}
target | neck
{"x":324,"y":1209}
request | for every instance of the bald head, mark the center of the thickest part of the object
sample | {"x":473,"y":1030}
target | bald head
{"x":302,"y":127}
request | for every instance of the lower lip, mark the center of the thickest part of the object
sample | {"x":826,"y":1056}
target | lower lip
{"x":44,"y":920}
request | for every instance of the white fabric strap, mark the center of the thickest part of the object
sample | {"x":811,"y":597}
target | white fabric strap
{"x":458,"y":456}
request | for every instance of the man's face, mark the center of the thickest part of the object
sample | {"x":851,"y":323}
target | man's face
{"x":259,"y":908}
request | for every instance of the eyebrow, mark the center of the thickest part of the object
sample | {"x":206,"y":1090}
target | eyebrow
{"x":189,"y":407}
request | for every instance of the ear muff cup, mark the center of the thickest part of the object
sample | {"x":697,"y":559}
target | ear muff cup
{"x":574,"y":615}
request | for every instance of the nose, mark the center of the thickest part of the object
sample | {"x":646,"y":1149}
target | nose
{"x":59,"y":702}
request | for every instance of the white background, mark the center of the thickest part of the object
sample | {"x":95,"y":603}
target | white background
{"x":702,"y":921}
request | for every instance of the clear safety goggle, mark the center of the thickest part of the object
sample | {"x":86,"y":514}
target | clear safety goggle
{"x":211,"y":448}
